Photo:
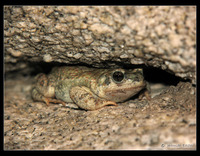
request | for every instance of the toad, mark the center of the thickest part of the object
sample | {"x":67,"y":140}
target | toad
{"x":89,"y":88}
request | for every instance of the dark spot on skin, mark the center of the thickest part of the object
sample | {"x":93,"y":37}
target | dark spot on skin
{"x":136,"y":79}
{"x":91,"y":98}
{"x":119,"y":85}
{"x":96,"y":102}
{"x":117,"y":91}
{"x":59,"y":86}
{"x":83,"y":96}
{"x":42,"y":82}
{"x":107,"y":81}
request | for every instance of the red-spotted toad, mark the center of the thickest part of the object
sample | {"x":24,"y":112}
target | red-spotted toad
{"x":89,"y":88}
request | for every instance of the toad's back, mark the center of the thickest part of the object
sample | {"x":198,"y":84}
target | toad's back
{"x":76,"y":75}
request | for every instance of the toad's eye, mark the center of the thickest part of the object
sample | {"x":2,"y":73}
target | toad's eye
{"x":118,"y":76}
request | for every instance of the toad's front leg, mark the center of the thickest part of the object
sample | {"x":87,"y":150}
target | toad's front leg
{"x":146,"y":92}
{"x":86,"y":99}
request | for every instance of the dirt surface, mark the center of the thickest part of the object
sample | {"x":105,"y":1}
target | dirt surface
{"x":168,"y":121}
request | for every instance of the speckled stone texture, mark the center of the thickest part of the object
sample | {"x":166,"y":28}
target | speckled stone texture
{"x":158,"y":36}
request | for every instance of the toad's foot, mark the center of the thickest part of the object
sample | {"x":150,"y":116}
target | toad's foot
{"x":48,"y":100}
{"x":146,"y":94}
{"x":85,"y":99}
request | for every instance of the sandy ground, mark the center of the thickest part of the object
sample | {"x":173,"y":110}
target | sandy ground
{"x":168,"y":121}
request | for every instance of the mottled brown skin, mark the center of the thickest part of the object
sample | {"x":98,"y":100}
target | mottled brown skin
{"x":89,"y":88}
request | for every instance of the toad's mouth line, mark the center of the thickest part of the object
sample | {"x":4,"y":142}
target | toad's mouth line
{"x":124,"y":90}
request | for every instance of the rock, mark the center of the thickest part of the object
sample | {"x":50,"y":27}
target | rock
{"x":102,"y":36}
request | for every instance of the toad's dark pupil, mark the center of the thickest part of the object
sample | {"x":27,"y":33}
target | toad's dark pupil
{"x":118,"y":76}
